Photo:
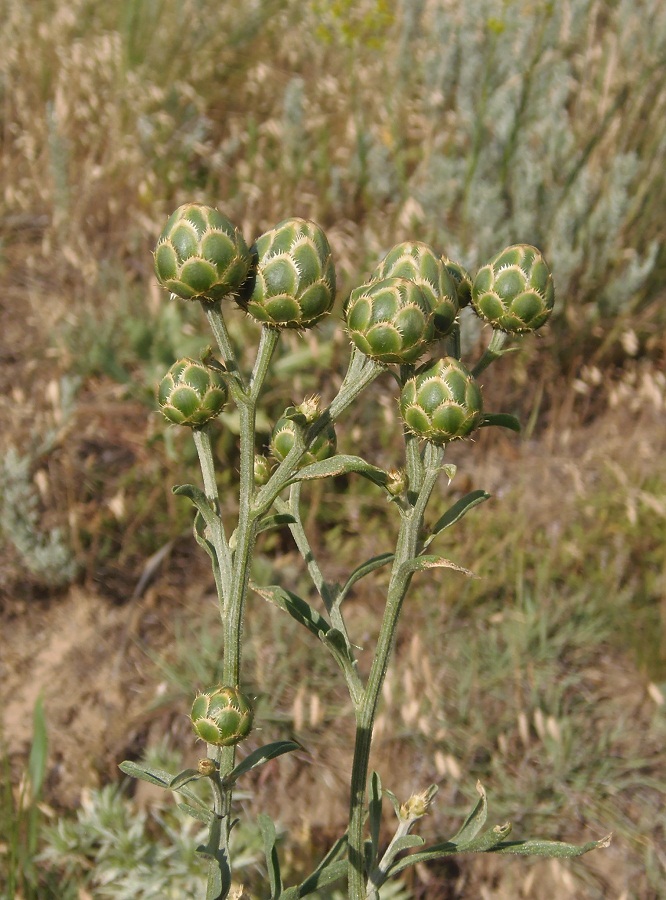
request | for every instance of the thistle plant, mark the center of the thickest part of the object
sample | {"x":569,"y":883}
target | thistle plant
{"x":406,"y":312}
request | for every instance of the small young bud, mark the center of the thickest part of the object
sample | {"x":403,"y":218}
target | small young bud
{"x":397,"y":482}
{"x":201,"y":254}
{"x":442,"y":403}
{"x":418,"y":804}
{"x":284,"y":435}
{"x":293,"y":282}
{"x":262,"y":469}
{"x":514,"y":291}
{"x":310,"y":408}
{"x":390,"y":320}
{"x":462,"y":279}
{"x":206,"y":767}
{"x":419,"y":263}
{"x":222,"y":716}
{"x":191,"y":393}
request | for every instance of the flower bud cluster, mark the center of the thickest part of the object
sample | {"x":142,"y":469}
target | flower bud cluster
{"x":286,"y":280}
{"x":284,"y":437}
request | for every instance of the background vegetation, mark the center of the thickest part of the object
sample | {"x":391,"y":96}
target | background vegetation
{"x":470,"y":126}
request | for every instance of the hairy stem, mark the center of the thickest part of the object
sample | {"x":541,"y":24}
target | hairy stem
{"x":406,"y":550}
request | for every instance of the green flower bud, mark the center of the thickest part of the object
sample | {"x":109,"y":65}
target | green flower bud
{"x":222,"y":716}
{"x":442,"y":403}
{"x":284,"y":435}
{"x":514,"y":291}
{"x":397,"y":483}
{"x":262,"y":469}
{"x":390,"y":320}
{"x":293,"y":283}
{"x":462,"y":279}
{"x":191,"y":393}
{"x":417,"y":262}
{"x":201,"y":254}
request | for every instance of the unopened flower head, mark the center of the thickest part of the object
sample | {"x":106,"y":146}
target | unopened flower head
{"x":191,"y":393}
{"x":419,"y":263}
{"x":390,"y":320}
{"x":222,"y":716}
{"x":514,"y":292}
{"x":201,"y":254}
{"x":442,"y":403}
{"x":462,"y":279}
{"x":292,"y":284}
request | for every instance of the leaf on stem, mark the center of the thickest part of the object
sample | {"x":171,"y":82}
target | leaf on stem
{"x":432,"y":562}
{"x":275,"y":521}
{"x":297,"y":608}
{"x":475,"y":820}
{"x":361,"y":571}
{"x":267,"y":828}
{"x":456,"y":512}
{"x":375,"y":815}
{"x":200,"y":500}
{"x":151,"y":774}
{"x":182,"y":778}
{"x":552,"y":849}
{"x":260,"y":756}
{"x":200,"y":815}
{"x":342,"y":465}
{"x":504,"y":420}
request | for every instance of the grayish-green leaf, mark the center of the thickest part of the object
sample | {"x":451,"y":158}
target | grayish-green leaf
{"x":503,"y":420}
{"x":260,"y":756}
{"x":267,"y":828}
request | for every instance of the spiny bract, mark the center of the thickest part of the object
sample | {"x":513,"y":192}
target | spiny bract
{"x":201,"y":254}
{"x":462,"y":279}
{"x":514,"y":292}
{"x":442,"y":403}
{"x":419,"y":263}
{"x":191,"y":393}
{"x":390,"y":320}
{"x":292,"y":283}
{"x":222,"y":716}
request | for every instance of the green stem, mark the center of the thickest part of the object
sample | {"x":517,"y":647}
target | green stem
{"x":406,"y":550}
{"x":218,"y":326}
{"x":493,"y":351}
{"x":205,"y":452}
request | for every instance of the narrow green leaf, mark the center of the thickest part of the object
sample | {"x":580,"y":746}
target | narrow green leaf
{"x":151,"y":774}
{"x":503,"y":420}
{"x":487,"y":840}
{"x":337,"y":644}
{"x":341,"y":465}
{"x":199,"y":528}
{"x":375,"y":815}
{"x":457,"y":511}
{"x":199,"y":499}
{"x":219,"y":884}
{"x":201,"y":815}
{"x":275,"y":522}
{"x":432,"y":562}
{"x":267,"y":829}
{"x":39,"y":748}
{"x":182,"y":778}
{"x":297,"y":608}
{"x":475,"y":820}
{"x":260,"y":756}
{"x":553,"y":849}
{"x":406,"y":842}
{"x":320,"y":879}
{"x":370,"y":565}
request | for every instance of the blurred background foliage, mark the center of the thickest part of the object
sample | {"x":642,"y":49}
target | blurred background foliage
{"x":470,"y":126}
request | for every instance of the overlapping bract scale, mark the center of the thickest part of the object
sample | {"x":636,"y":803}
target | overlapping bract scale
{"x":191,"y":393}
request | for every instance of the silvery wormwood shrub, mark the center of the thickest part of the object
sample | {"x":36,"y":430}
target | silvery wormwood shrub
{"x":397,"y":321}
